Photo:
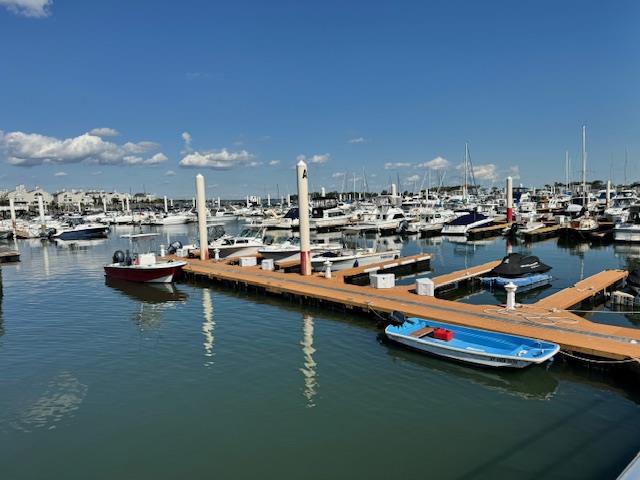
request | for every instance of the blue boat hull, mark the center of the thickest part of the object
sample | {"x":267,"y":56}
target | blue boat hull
{"x":474,"y":346}
{"x":529,"y":282}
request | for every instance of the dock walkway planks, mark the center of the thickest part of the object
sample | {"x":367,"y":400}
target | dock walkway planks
{"x":572,"y":332}
{"x":583,"y":290}
{"x":461,"y":275}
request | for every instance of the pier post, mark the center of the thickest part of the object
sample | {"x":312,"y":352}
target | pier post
{"x":171,"y":202}
{"x":608,"y":203}
{"x":509,"y":199}
{"x":128,"y":206}
{"x":12,"y":210}
{"x":218,"y":202}
{"x":394,"y":190}
{"x":268,"y":200}
{"x":288,"y":200}
{"x":41,"y":212}
{"x":104,"y":204}
{"x":511,"y":295}
{"x":303,"y":205}
{"x":202,"y":217}
{"x":166,"y":207}
{"x":323,"y":192}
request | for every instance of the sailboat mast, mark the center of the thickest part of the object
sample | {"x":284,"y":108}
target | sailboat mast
{"x":466,"y":167}
{"x":566,"y":169}
{"x":584,"y":166}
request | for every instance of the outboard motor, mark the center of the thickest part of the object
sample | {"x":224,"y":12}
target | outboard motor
{"x":397,"y":318}
{"x":174,"y":247}
{"x":127,"y":259}
{"x":118,"y":256}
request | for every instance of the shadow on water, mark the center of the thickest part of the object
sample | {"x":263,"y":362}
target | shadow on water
{"x":535,"y":383}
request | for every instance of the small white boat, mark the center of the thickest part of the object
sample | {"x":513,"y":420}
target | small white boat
{"x":388,"y":218}
{"x":629,"y":231}
{"x":290,"y":250}
{"x":350,"y":258}
{"x":245,"y":244}
{"x":471,"y":345}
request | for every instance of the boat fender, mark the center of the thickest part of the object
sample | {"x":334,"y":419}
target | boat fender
{"x":118,"y":256}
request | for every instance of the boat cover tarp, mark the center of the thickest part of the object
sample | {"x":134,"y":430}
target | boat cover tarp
{"x":468,"y":219}
{"x":519,"y":265}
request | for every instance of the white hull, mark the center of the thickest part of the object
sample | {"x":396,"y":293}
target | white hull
{"x":626,"y":234}
{"x":350,"y":261}
{"x":464,"y":229}
{"x":237,"y":251}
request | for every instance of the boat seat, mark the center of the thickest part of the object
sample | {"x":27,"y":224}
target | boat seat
{"x":422,"y":332}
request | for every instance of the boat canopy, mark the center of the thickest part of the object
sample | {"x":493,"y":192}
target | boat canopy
{"x":517,"y":265}
{"x":468,"y":219}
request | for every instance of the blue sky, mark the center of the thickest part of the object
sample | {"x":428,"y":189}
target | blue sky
{"x":349,"y":85}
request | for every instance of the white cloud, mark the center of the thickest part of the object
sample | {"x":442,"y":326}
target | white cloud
{"x":60,"y":174}
{"x":104,"y":132}
{"x":219,"y":160}
{"x":357,"y":140}
{"x":317,"y":159}
{"x":487,"y":172}
{"x":157,"y":159}
{"x":255,"y":163}
{"x":438,"y":163}
{"x":413,"y":178}
{"x":274,"y":162}
{"x":394,"y":165}
{"x":30,"y":149}
{"x":28,"y":8}
{"x":186,"y":137}
{"x":514,"y":172}
{"x":169,"y":173}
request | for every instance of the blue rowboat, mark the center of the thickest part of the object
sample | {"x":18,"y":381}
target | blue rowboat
{"x":471,"y":345}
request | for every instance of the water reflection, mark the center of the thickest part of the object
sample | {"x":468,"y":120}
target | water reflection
{"x":152,"y":298}
{"x":61,"y":399}
{"x":535,"y":383}
{"x":1,"y":297}
{"x":207,"y":326}
{"x":309,"y":368}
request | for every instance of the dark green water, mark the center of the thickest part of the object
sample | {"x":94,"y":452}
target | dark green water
{"x":109,"y":381}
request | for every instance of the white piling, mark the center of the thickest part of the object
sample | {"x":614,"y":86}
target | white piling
{"x":327,"y":269}
{"x":41,"y":212}
{"x":288,"y":200}
{"x":248,"y":204}
{"x":202,"y":218}
{"x":128,"y":207}
{"x":104,"y":204}
{"x":122,"y":202}
{"x":218,"y":202}
{"x":193,"y":200}
{"x":511,"y":295}
{"x":323,"y":193}
{"x":268,"y":199}
{"x":166,"y":207}
{"x":12,"y":211}
{"x":394,"y":190}
{"x":608,"y":193}
{"x":171,"y":202}
{"x":509,"y":188}
{"x":303,"y":205}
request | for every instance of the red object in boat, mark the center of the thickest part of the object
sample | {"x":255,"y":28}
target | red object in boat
{"x":443,"y":334}
{"x":161,"y":272}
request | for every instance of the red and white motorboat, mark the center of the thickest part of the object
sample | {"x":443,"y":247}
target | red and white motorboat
{"x":143,"y":267}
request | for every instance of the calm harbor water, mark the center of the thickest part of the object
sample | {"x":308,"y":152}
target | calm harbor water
{"x":105,"y":380}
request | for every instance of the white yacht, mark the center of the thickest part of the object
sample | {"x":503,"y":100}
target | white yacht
{"x":325,"y":218}
{"x":462,"y":224}
{"x":290,"y":249}
{"x":387,"y":218}
{"x":350,"y":258}
{"x":629,"y":231}
{"x":619,"y":210}
{"x":245,"y":244}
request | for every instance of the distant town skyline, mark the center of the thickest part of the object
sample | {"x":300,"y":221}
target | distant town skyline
{"x":96,"y":99}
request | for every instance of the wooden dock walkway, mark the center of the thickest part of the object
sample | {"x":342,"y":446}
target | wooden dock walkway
{"x":466,"y":274}
{"x":583,"y":290}
{"x":490,"y":231}
{"x":545,"y":232}
{"x":546,"y":322}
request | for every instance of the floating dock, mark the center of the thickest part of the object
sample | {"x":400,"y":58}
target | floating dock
{"x":485,"y":232}
{"x":546,"y":320}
